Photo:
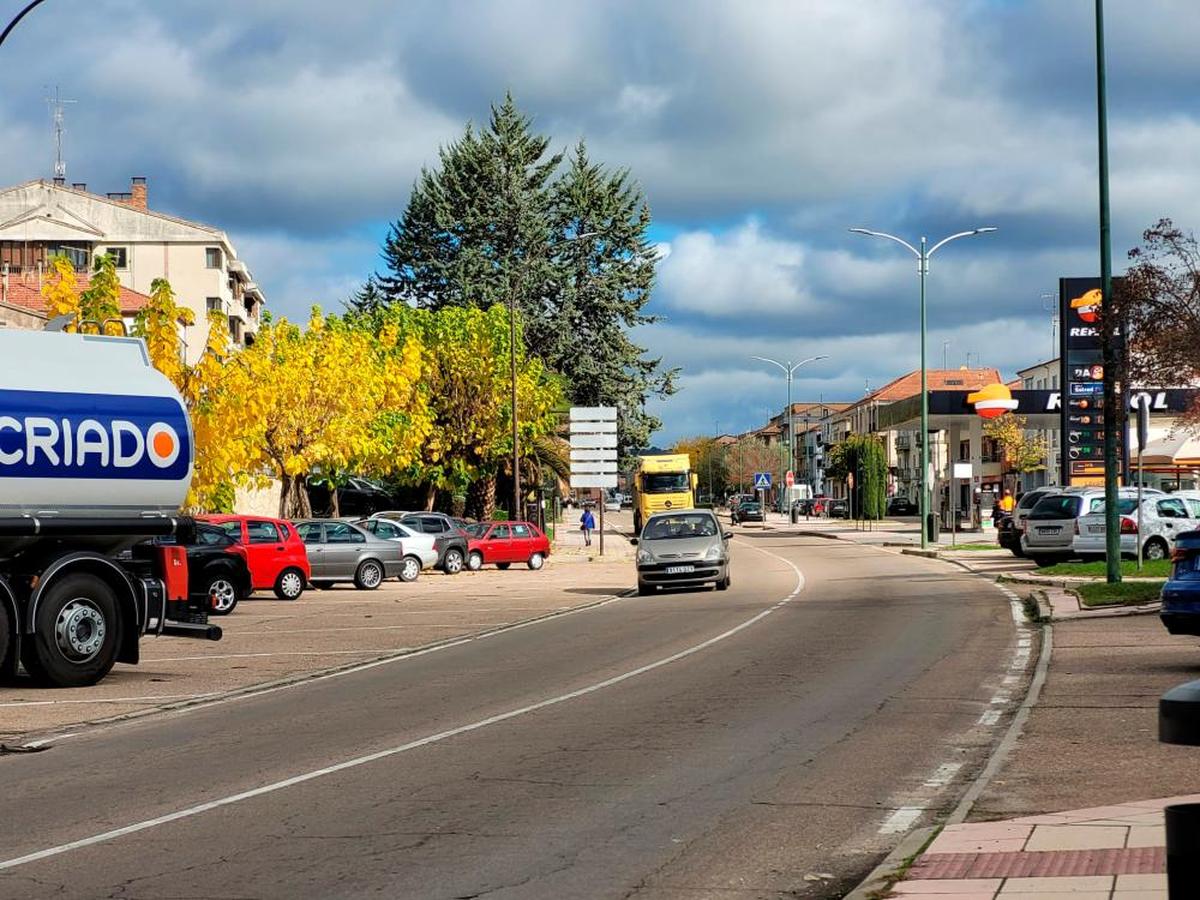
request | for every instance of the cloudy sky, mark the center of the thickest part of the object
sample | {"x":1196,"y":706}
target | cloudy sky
{"x":759,"y":131}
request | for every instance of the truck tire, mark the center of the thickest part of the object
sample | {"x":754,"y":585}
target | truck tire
{"x":637,"y":523}
{"x":8,"y":641}
{"x":290,"y":584}
{"x":76,"y":634}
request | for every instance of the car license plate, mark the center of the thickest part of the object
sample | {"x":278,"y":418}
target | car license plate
{"x":680,"y":570}
{"x":1042,"y":530}
{"x":1095,"y":529}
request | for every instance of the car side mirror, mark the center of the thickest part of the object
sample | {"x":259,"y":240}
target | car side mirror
{"x":633,"y":542}
{"x":727,"y":535}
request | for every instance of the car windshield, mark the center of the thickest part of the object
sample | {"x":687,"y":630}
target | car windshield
{"x":1057,"y":506}
{"x":665,"y":482}
{"x":684,"y":525}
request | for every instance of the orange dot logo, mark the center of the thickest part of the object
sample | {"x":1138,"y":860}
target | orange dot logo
{"x":162,"y":444}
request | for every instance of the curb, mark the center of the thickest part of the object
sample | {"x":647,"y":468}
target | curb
{"x":38,"y":740}
{"x":895,"y":863}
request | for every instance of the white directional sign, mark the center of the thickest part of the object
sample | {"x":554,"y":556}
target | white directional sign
{"x":593,"y":446}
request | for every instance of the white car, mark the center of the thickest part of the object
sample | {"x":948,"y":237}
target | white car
{"x":1163,"y":517}
{"x":415,"y":543}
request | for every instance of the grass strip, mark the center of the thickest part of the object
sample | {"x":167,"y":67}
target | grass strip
{"x":1151,"y":568}
{"x":1124,"y":593}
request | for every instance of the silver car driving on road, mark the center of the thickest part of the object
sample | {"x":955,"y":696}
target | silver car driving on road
{"x":682,"y":547}
{"x":339,"y":551}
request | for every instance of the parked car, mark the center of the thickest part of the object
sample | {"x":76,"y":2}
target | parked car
{"x":419,"y":550}
{"x":685,"y":548}
{"x":612,"y":503}
{"x":1181,"y":594}
{"x":1163,"y":517}
{"x":339,"y":551}
{"x":218,"y":573}
{"x":275,"y":554}
{"x":837,"y":508}
{"x":357,"y":497}
{"x":746,"y":511}
{"x":450,"y":538}
{"x":505,"y":543}
{"x":1048,"y":530}
{"x":902,"y":506}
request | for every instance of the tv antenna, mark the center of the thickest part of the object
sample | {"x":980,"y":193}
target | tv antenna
{"x":56,"y":106}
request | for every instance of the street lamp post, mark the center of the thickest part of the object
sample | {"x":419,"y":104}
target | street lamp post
{"x":19,"y":16}
{"x":923,"y":256}
{"x":789,"y":369}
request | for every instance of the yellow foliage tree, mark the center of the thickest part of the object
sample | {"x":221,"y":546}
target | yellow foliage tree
{"x":61,"y":290}
{"x":101,"y":302}
{"x":158,"y":325}
{"x":331,"y":397}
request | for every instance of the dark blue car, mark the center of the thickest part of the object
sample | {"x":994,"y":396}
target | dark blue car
{"x":1181,"y":594}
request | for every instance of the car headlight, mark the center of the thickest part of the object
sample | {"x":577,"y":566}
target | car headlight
{"x":714,"y":552}
{"x":644,"y":556}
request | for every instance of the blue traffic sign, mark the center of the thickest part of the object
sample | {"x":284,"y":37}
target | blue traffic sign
{"x":762,"y":481}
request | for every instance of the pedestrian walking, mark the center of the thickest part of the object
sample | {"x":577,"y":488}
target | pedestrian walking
{"x":587,"y":523}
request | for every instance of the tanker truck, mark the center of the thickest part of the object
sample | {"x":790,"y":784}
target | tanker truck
{"x":95,"y":461}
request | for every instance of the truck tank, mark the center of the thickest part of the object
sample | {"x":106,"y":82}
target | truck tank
{"x":88,"y":429}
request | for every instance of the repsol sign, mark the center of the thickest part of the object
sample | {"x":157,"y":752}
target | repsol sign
{"x":48,"y":434}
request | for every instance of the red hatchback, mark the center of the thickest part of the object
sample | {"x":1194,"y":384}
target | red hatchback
{"x":274,"y":552}
{"x":505,"y":543}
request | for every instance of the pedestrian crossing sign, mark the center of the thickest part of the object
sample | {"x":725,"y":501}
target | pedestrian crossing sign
{"x":762,"y":481}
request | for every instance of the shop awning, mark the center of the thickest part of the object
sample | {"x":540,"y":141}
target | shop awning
{"x":1172,"y":451}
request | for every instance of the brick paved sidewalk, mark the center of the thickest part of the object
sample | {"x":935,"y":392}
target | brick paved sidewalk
{"x":1107,"y":853}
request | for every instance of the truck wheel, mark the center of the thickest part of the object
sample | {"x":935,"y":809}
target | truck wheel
{"x":7,"y":642}
{"x":76,"y":635}
{"x":369,"y":575}
{"x":222,"y":594}
{"x":410,"y":568}
{"x":289,"y":585}
{"x":452,"y":563}
{"x":637,"y":523}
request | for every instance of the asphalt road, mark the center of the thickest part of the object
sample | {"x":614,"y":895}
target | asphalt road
{"x":761,"y":742}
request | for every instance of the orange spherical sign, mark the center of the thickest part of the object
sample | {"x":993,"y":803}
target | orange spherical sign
{"x":1088,"y":305}
{"x":992,"y":401}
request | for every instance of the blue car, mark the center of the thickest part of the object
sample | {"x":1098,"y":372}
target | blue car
{"x":1181,"y":594}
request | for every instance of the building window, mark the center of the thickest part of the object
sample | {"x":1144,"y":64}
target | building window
{"x":212,"y":257}
{"x":214,"y":304}
{"x":78,"y":254}
{"x":120,"y":256}
{"x":235,"y":329}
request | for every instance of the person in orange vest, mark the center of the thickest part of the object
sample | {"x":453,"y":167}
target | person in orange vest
{"x":1007,"y":503}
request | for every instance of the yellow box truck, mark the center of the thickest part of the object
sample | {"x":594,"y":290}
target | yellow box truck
{"x":661,"y":483}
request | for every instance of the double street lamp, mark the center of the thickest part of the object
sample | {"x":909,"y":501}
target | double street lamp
{"x":789,"y":369}
{"x":923,"y":256}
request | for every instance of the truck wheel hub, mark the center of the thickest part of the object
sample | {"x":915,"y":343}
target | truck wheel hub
{"x":79,"y":630}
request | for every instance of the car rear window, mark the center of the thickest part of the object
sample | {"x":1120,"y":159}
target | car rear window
{"x":1125,"y":506}
{"x":1030,"y":499}
{"x":1060,"y":506}
{"x":1188,"y":568}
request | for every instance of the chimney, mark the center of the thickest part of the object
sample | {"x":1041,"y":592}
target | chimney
{"x":60,"y":180}
{"x":137,"y":190}
{"x":80,"y":186}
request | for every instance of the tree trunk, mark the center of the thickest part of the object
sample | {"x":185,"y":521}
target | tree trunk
{"x":293,"y":499}
{"x":335,"y":502}
{"x":481,"y":498}
{"x":430,"y":496}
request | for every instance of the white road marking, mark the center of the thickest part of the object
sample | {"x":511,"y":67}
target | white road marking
{"x":990,"y":717}
{"x":440,"y":736}
{"x":364,"y":652}
{"x":158,"y":698}
{"x":943,"y":776}
{"x":901,"y":820}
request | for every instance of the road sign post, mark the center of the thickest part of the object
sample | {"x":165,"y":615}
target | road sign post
{"x":762,"y":484}
{"x":594,"y":452}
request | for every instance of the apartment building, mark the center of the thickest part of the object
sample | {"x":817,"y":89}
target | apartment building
{"x":39,"y":219}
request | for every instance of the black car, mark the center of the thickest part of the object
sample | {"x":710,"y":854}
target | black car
{"x":748,"y":511}
{"x":357,"y":497}
{"x":902,"y":506}
{"x":217,"y":570}
{"x":450,"y":538}
{"x":838,"y":508}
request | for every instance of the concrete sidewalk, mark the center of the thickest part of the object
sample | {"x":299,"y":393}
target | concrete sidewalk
{"x":1106,"y":853}
{"x":570,"y":547}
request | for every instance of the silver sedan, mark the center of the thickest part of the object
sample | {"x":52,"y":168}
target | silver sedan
{"x":339,"y":552}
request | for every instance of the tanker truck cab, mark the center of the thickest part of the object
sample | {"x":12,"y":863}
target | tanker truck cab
{"x":96,"y":457}
{"x":662,"y":483}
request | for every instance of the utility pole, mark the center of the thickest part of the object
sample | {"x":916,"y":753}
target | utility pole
{"x":1114,"y":418}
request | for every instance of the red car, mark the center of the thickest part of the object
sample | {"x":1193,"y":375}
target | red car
{"x":274,"y":552}
{"x":505,"y":543}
